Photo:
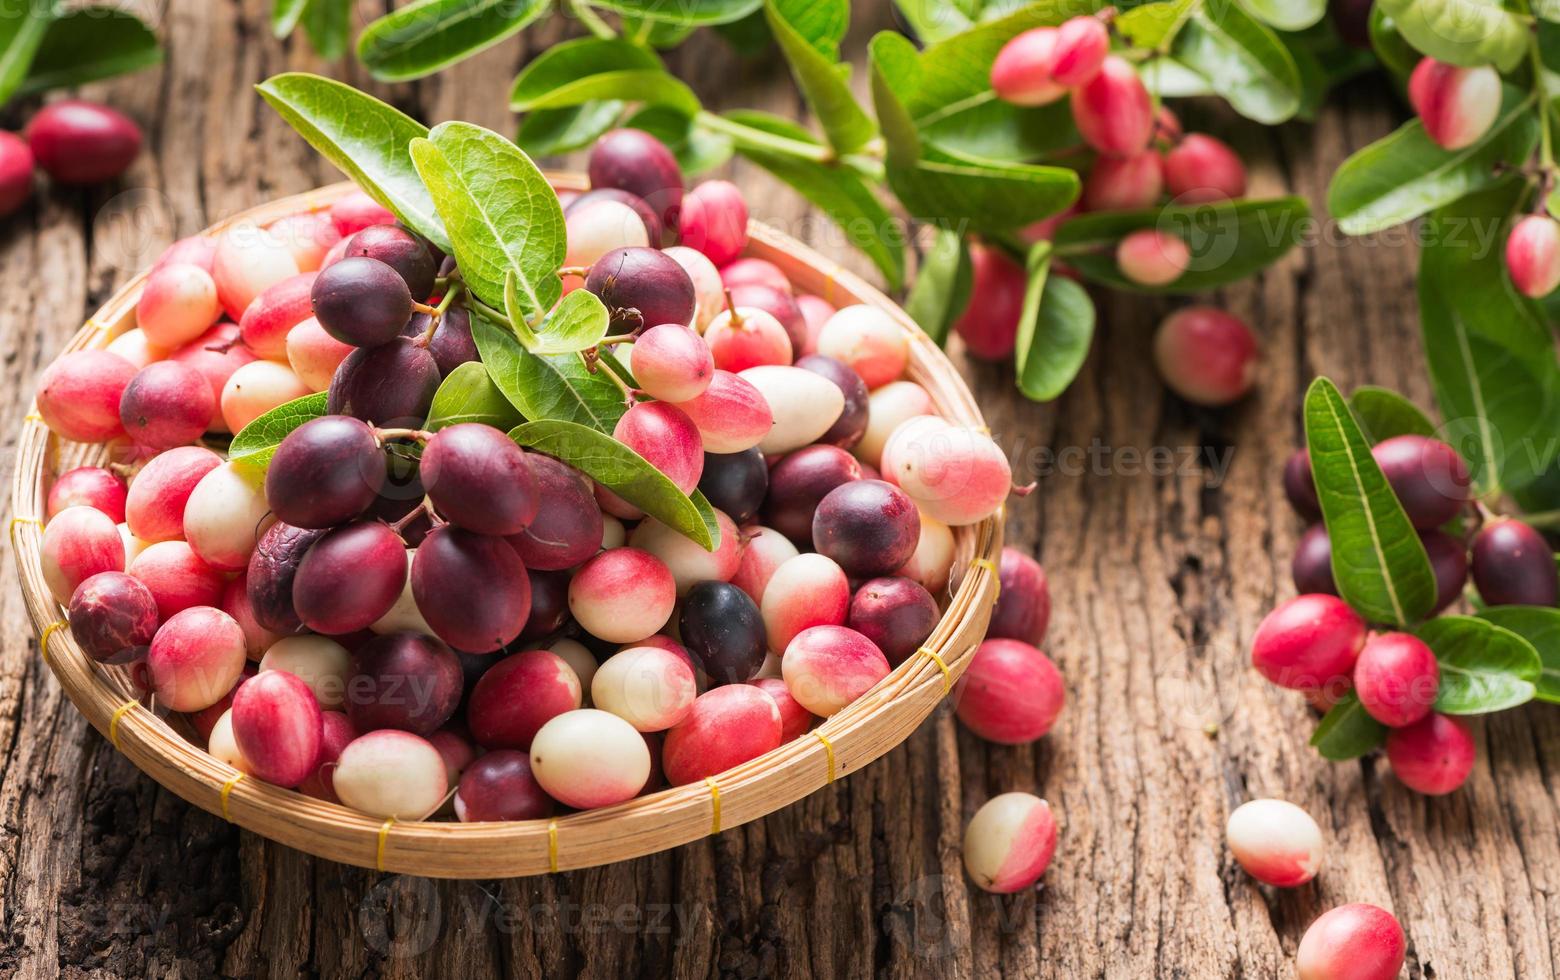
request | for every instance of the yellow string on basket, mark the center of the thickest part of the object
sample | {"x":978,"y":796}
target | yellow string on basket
{"x":942,"y":665}
{"x":32,"y":417}
{"x":113,"y":721}
{"x":379,"y":852}
{"x":48,"y":634}
{"x":828,"y":747}
{"x":552,"y":845}
{"x":991,"y":567}
{"x":227,"y":790}
{"x":714,"y":804}
{"x":15,"y":521}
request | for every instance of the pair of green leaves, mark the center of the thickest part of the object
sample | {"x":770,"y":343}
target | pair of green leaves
{"x":44,"y":47}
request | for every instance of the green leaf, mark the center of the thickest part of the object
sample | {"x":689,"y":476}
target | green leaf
{"x":22,"y":28}
{"x":1000,"y":131}
{"x":1347,"y":731}
{"x":1148,"y":26}
{"x":698,"y":149}
{"x":285,"y":15}
{"x":1229,"y":240}
{"x":546,"y":387}
{"x":327,"y":24}
{"x":625,"y":473}
{"x":502,"y":214}
{"x":933,"y":20}
{"x":86,"y":44}
{"x":1395,"y":54}
{"x":942,"y":286}
{"x":1170,"y":79}
{"x":1540,"y":627}
{"x":1462,"y":32}
{"x":1287,"y":15}
{"x":896,"y":73}
{"x":469,"y":395}
{"x":1246,"y":64}
{"x":1384,"y":413}
{"x":1484,"y":667}
{"x":591,"y":69}
{"x":690,"y":12}
{"x":553,"y":132}
{"x":1055,"y":330}
{"x":257,"y":441}
{"x":365,"y":138}
{"x":1490,"y":354}
{"x":577,"y":323}
{"x":1378,"y":561}
{"x":655,"y":33}
{"x":426,"y":35}
{"x":1404,"y":175}
{"x":840,"y":193}
{"x":809,"y":33}
{"x":948,"y":188}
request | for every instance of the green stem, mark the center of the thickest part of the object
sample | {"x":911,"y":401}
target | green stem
{"x":1544,"y":520}
{"x":760,"y":140}
{"x":597,"y":364}
{"x":1546,"y":140}
{"x":590,"y":19}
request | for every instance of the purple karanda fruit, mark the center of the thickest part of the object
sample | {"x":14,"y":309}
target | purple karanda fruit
{"x":743,"y":337}
{"x":714,"y":220}
{"x":166,"y":404}
{"x":1124,"y":183}
{"x":1430,"y":478}
{"x":178,"y":304}
{"x":567,"y":528}
{"x":589,"y":758}
{"x":1311,"y":564}
{"x":954,"y":473}
{"x":1300,"y":486}
{"x":1533,"y":255}
{"x":406,"y":681}
{"x":731,"y":415}
{"x":1203,"y":170}
{"x":452,"y":564}
{"x":361,"y":301}
{"x":225,"y":515}
{"x":401,"y":250}
{"x":392,"y":774}
{"x":799,"y":482}
{"x":1449,"y":561}
{"x":388,"y":385}
{"x":623,"y":595}
{"x":1153,"y":258}
{"x":724,"y":631}
{"x":1308,"y":642}
{"x":1433,"y":756}
{"x":1010,"y":694}
{"x":1513,"y":565}
{"x":77,"y":544}
{"x":1023,"y":609}
{"x":325,"y":472}
{"x":113,"y":617}
{"x":256,"y":388}
{"x":78,"y":142}
{"x":1396,"y":678}
{"x":632,"y":160}
{"x":896,"y":614}
{"x":802,"y":405}
{"x":1009,"y":843}
{"x":1352,"y":942}
{"x":1113,"y":110}
{"x":451,"y":344}
{"x":501,"y":786}
{"x":735,"y":484}
{"x":806,"y":591}
{"x":177,"y":577}
{"x":725,"y":727}
{"x":869,"y":527}
{"x":154,"y":505}
{"x":278,"y":727}
{"x":642,"y":287}
{"x":868,"y":341}
{"x":1021,"y":73}
{"x":828,"y":667}
{"x":479,"y":479}
{"x":195,"y":658}
{"x":648,"y":687}
{"x":267,"y":319}
{"x":217,"y":354}
{"x":518,"y":695}
{"x":672,"y":363}
{"x":1456,"y":105}
{"x":319,"y":661}
{"x":1207,"y":356}
{"x":349,"y":578}
{"x":1276,"y":842}
{"x":989,"y":327}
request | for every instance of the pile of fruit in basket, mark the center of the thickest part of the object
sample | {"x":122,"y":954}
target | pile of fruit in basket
{"x":396,"y":602}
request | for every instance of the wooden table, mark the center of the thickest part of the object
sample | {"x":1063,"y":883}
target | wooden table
{"x":1160,"y":567}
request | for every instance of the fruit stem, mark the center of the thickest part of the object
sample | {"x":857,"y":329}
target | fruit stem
{"x":1544,"y":520}
{"x":574,"y":270}
{"x":436,"y":314}
{"x":594,"y":364}
{"x":421,"y":435}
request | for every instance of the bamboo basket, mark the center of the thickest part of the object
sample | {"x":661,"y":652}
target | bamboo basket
{"x":862,"y":732}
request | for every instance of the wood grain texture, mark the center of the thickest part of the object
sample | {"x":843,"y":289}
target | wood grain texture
{"x":1159,"y":578}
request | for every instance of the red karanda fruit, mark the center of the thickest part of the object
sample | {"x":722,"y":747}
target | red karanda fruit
{"x":989,"y":327}
{"x":166,"y":404}
{"x":1433,"y":756}
{"x":78,"y":142}
{"x":816,"y":311}
{"x":1513,"y":565}
{"x":1082,"y":44}
{"x":1396,"y":678}
{"x":806,"y":591}
{"x":336,"y":734}
{"x":155,"y":502}
{"x":1456,"y":105}
{"x":623,"y":595}
{"x":353,"y":212}
{"x":714,"y":220}
{"x":178,"y":304}
{"x":77,"y":544}
{"x":1009,"y":843}
{"x":1533,"y":255}
{"x":896,"y":614}
{"x":271,"y":315}
{"x":709,"y":292}
{"x":349,"y":578}
{"x":1308,"y":642}
{"x":589,"y":758}
{"x":665,"y":436}
{"x":932,"y":563}
{"x":16,"y":172}
{"x":177,"y":577}
{"x":114,"y":617}
{"x":1201,"y":170}
{"x":953,"y":473}
{"x":79,"y":395}
{"x":195,"y":658}
{"x":632,"y":160}
{"x":1023,"y":609}
{"x":672,"y":363}
{"x":754,"y":270}
{"x":518,"y":695}
{"x":1429,"y":477}
{"x":278,"y":727}
{"x":1352,"y":942}
{"x":726,"y":727}
{"x":501,"y":786}
{"x":828,"y":667}
{"x":744,"y":337}
{"x":795,"y":720}
{"x":1276,"y":842}
{"x":764,"y":550}
{"x":732,"y":415}
{"x":309,"y":236}
{"x":1124,"y":183}
{"x":1207,"y":356}
{"x":1011,"y":693}
{"x":217,"y":354}
{"x":1113,"y":110}
{"x":1021,"y":73}
{"x":1153,"y":258}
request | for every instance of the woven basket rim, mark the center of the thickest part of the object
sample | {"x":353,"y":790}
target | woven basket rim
{"x":843,"y":743}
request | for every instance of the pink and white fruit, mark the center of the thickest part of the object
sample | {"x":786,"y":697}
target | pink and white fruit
{"x":746,"y":337}
{"x":278,"y":727}
{"x":1124,"y":183}
{"x":246,"y":263}
{"x":672,"y":363}
{"x":309,"y":237}
{"x":599,"y":227}
{"x":665,"y":436}
{"x":581,"y":661}
{"x":1023,"y":609}
{"x":178,"y":304}
{"x":808,"y":590}
{"x":235,"y":602}
{"x":336,"y":733}
{"x":989,"y":325}
{"x":816,"y":311}
{"x":221,"y":745}
{"x":1153,"y":258}
{"x":714,"y":220}
{"x":1206,"y":355}
{"x":166,"y":404}
{"x":1113,"y":110}
{"x":623,"y":595}
{"x":687,"y":560}
{"x":404,"y":616}
{"x":708,"y":291}
{"x":160,"y":492}
{"x":1201,"y":169}
{"x":355,"y":211}
{"x":1352,"y":942}
{"x":828,"y":667}
{"x":77,"y":544}
{"x":216,"y":354}
{"x":754,"y":270}
{"x":1276,"y":842}
{"x":1021,"y":73}
{"x":196,"y":250}
{"x":1533,"y":255}
{"x":726,"y":727}
{"x":764,"y":550}
{"x":1456,"y":105}
{"x":648,"y":687}
{"x":133,"y":346}
{"x":803,"y":405}
{"x":79,"y":395}
{"x":1081,"y":46}
{"x":391,"y":773}
{"x":932,"y":563}
{"x":225,"y":515}
{"x":1433,"y":756}
{"x":16,"y":173}
{"x":887,"y":408}
{"x":314,"y":354}
{"x":196,"y":657}
{"x":255,"y":389}
{"x":1308,"y":642}
{"x":518,"y":695}
{"x":178,"y":578}
{"x":1396,"y":677}
{"x":501,"y":786}
{"x":88,"y":486}
{"x":319,"y":661}
{"x":954,"y":473}
{"x":732,"y":414}
{"x":1009,"y":842}
{"x":868,"y":341}
{"x":589,"y":758}
{"x":795,"y":720}
{"x":268,"y":319}
{"x":1011,"y":693}
{"x":113,"y":617}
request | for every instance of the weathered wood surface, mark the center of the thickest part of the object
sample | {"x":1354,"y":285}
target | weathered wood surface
{"x":1160,"y":575}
